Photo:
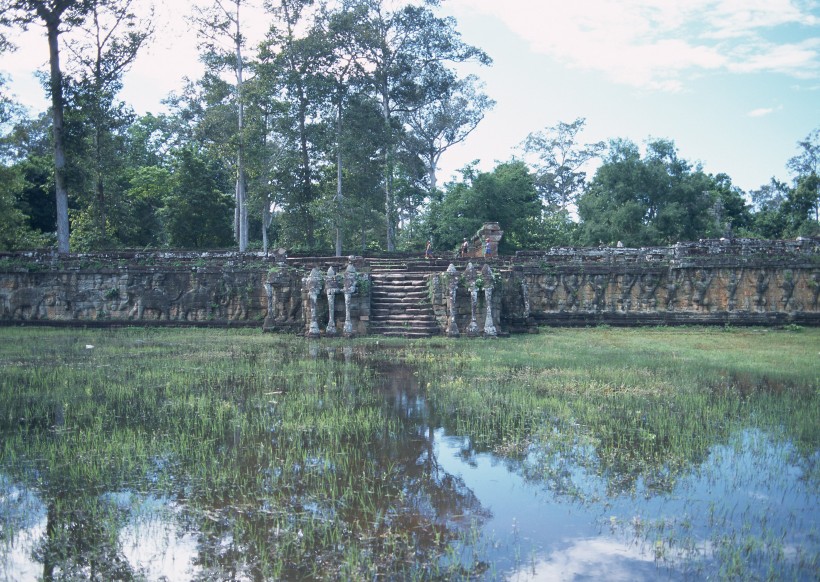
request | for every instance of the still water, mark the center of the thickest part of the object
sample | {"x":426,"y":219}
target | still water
{"x":748,"y":508}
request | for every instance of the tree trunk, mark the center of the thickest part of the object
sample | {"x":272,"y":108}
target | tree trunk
{"x":52,"y":27}
{"x":241,"y":194}
{"x":389,"y":202}
{"x":100,"y":186}
{"x":432,"y":164}
{"x":339,"y":198}
{"x":306,"y":179}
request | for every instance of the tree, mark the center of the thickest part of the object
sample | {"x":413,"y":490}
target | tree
{"x":769,"y":196}
{"x":402,"y":47}
{"x":657,"y":200}
{"x":506,"y":195}
{"x":446,"y":118}
{"x":53,"y":14}
{"x":15,"y":232}
{"x":102,"y":48}
{"x":806,"y":164}
{"x":196,"y":213}
{"x":559,"y":172}
{"x":220,"y":26}
{"x":292,"y":62}
{"x":731,"y":212}
{"x":799,"y":206}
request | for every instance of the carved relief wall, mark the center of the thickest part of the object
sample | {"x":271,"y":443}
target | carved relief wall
{"x":710,"y":282}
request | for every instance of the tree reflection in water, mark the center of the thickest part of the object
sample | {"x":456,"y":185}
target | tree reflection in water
{"x":277,"y":458}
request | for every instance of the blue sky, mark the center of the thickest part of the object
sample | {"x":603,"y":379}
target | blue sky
{"x":735,"y":83}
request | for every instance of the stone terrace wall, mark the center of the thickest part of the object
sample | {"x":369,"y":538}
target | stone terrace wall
{"x":738,"y":282}
{"x":134,"y":288}
{"x":167,"y":288}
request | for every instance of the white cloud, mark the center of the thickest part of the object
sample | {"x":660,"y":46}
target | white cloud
{"x":600,"y":558}
{"x":657,"y":44}
{"x":763,"y":111}
{"x":760,"y":112}
{"x":594,"y":559}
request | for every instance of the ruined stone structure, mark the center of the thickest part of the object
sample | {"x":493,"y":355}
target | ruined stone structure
{"x":739,"y":282}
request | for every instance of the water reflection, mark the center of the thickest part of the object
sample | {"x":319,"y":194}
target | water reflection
{"x":346,"y":454}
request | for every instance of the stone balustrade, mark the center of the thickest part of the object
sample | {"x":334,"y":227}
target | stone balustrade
{"x":737,"y":282}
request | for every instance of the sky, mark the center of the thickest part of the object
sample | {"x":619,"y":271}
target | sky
{"x":734,"y":83}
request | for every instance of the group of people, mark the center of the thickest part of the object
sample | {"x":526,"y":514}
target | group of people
{"x":463,"y":250}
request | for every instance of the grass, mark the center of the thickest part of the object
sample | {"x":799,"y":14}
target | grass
{"x":290,"y":461}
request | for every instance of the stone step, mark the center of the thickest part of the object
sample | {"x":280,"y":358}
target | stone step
{"x":400,"y":284}
{"x":397,"y":302}
{"x":384,"y":315}
{"x":391,"y":309}
{"x":402,"y":287}
{"x":393,"y":276}
{"x":388,"y":291}
{"x":424,"y":325}
{"x":408,"y":334}
{"x":399,"y":329}
{"x":398,"y":295}
{"x":400,"y":301}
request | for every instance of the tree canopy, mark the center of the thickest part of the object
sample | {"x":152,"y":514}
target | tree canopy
{"x":326,"y":138}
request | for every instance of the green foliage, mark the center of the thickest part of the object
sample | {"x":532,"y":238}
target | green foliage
{"x":15,"y":233}
{"x":506,"y":195}
{"x":657,"y":200}
{"x":148,"y":190}
{"x":560,"y":177}
{"x":196,"y":212}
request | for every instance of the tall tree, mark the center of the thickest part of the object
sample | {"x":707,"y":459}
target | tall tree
{"x":54,"y":15}
{"x":731,"y":211}
{"x":220,"y":26}
{"x":769,"y":196}
{"x":450,"y":114}
{"x":293,"y":56}
{"x":15,"y":231}
{"x":197,"y":210}
{"x":659,"y":199}
{"x":560,"y":170}
{"x":343,"y":68}
{"x":402,"y":47}
{"x":102,"y":49}
{"x":800,"y":205}
{"x":806,"y":164}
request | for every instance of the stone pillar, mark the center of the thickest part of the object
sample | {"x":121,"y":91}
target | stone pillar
{"x":271,"y":293}
{"x":490,"y":231}
{"x":452,"y":288}
{"x":349,"y":289}
{"x":525,"y":294}
{"x":331,"y":288}
{"x":489,"y":326}
{"x":471,"y":276}
{"x":314,"y":287}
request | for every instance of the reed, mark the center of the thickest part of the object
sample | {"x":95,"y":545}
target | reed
{"x":293,"y":460}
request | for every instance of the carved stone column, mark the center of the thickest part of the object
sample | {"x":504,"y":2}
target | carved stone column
{"x":525,"y":294}
{"x":331,"y":288}
{"x":452,"y":288}
{"x":349,"y":289}
{"x":314,"y":287}
{"x":271,"y":293}
{"x":489,"y":326}
{"x":471,"y":276}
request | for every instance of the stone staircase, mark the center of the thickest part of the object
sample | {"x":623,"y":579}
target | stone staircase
{"x":399,"y":300}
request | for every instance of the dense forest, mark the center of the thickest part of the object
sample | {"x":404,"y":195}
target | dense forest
{"x":325,"y":138}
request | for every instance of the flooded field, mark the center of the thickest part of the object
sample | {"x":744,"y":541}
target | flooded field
{"x":192,"y":454}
